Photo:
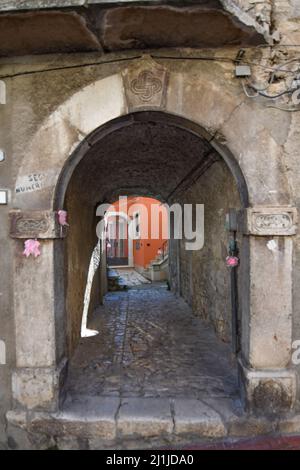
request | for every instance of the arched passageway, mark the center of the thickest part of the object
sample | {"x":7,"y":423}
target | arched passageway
{"x":188,"y":340}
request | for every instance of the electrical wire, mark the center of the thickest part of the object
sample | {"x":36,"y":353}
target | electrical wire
{"x":258,"y":91}
{"x":282,"y":108}
{"x":261,"y":46}
{"x":124,"y":59}
{"x":67,"y":67}
{"x":246,"y":91}
{"x":261,"y":91}
{"x":279,"y":67}
{"x":265,"y":95}
{"x":273,"y":97}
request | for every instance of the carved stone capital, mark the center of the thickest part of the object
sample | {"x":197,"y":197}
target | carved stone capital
{"x":145,"y":84}
{"x":35,"y":224}
{"x":268,"y":221}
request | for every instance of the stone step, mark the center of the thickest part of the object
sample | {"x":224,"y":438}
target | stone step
{"x":127,"y":423}
{"x":112,"y":274}
{"x":115,"y":281}
{"x":111,"y":418}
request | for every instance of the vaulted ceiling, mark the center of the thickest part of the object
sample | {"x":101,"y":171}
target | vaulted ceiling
{"x":143,"y":158}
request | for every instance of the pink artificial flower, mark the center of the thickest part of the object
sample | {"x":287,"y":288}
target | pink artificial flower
{"x":62,"y":218}
{"x":32,"y":248}
{"x":232,"y":261}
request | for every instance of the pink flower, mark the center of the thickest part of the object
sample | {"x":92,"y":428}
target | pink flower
{"x":62,"y":218}
{"x":232,"y":261}
{"x":32,"y":248}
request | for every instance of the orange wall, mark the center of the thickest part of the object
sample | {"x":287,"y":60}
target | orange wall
{"x":148,"y":246}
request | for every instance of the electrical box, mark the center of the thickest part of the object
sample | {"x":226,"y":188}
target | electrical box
{"x":231,"y":220}
{"x":242,"y":71}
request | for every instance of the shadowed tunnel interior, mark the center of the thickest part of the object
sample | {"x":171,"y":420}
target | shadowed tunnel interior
{"x":143,"y":156}
{"x":149,"y":154}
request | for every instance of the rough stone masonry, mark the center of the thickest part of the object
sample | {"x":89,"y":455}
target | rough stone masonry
{"x":188,"y":102}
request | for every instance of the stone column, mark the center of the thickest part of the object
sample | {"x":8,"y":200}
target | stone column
{"x":267,"y":378}
{"x":39,"y":311}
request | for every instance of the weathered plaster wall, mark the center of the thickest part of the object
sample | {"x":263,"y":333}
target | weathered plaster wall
{"x":7,"y":332}
{"x":286,"y":17}
{"x":260,"y":10}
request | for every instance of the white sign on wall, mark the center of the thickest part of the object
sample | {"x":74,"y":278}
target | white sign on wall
{"x":2,"y":92}
{"x":2,"y":353}
{"x":3,"y":196}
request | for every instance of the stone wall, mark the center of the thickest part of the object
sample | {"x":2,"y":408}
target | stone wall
{"x":204,"y":277}
{"x":81,"y":241}
{"x":260,"y":10}
{"x":7,"y":330}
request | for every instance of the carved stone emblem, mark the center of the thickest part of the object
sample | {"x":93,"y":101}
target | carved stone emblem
{"x":266,"y":221}
{"x":145,"y":84}
{"x":35,"y":224}
{"x":28,"y":226}
{"x":273,"y":221}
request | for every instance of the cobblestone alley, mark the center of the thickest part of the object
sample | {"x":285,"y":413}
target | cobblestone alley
{"x":151,"y":345}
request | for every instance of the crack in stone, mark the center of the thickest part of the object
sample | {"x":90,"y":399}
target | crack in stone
{"x":173,"y":415}
{"x":116,"y":417}
{"x":227,"y":119}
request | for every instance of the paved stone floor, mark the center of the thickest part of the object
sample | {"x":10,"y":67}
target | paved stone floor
{"x":131,"y":277}
{"x":151,"y":345}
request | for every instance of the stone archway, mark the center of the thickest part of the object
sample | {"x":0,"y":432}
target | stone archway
{"x":147,"y":153}
{"x":72,"y":130}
